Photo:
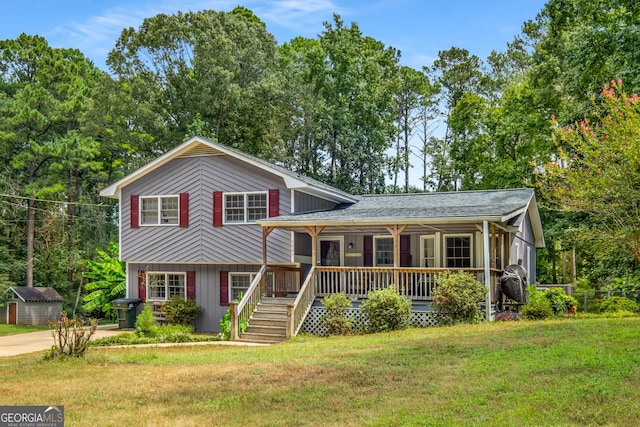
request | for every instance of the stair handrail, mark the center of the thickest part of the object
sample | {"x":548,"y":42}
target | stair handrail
{"x":243,"y":309}
{"x":301,"y":305}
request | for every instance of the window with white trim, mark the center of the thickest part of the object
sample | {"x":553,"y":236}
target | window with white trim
{"x":163,"y":285}
{"x":428,"y":251}
{"x":239,"y":283}
{"x":159,"y":210}
{"x":458,"y":251}
{"x":383,"y":251}
{"x":245,"y":208}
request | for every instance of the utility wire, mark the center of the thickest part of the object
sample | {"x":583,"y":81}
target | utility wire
{"x":56,"y":201}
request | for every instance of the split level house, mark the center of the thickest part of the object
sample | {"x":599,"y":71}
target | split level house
{"x":210,"y":223}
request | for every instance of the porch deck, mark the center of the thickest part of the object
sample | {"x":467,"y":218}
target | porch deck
{"x":417,"y":284}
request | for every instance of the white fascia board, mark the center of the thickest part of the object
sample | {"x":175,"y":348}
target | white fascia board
{"x":378,"y":222}
{"x":113,"y":191}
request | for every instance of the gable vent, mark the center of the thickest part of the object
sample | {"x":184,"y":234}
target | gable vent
{"x":201,"y":150}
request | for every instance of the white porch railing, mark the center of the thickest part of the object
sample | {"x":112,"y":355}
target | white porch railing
{"x":242,"y":310}
{"x":415,"y":283}
{"x":298,"y":310}
{"x":277,"y":281}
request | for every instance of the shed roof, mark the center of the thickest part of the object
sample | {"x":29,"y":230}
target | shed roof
{"x":37,"y":294}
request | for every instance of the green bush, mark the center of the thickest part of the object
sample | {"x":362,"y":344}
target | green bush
{"x":538,"y":307}
{"x":386,"y":310}
{"x":178,"y":311}
{"x":559,"y":300}
{"x":225,"y":323}
{"x":614,"y":304}
{"x":71,"y":336}
{"x":146,"y":323}
{"x":335,"y":317}
{"x":457,"y":297}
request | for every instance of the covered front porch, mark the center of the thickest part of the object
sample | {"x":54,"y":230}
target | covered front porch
{"x":348,"y":260}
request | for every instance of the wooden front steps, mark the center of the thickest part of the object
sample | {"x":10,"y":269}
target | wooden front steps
{"x":268,"y":322}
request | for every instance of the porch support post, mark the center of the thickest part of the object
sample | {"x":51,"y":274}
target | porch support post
{"x":396,"y":230}
{"x":487,"y":268}
{"x":494,"y":245}
{"x":265,"y":233}
{"x":313,"y":231}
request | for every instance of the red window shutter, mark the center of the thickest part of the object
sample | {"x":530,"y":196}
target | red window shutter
{"x":405,"y":250}
{"x":224,"y":288}
{"x":274,"y":203}
{"x":135,"y":211}
{"x":184,"y":210}
{"x":142,"y":286}
{"x":191,"y":285}
{"x":217,"y":208}
{"x":367,"y":252}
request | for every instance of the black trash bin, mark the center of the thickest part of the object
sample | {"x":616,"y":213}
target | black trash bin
{"x":127,"y":309}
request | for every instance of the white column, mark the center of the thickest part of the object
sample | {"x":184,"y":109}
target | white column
{"x":487,"y":267}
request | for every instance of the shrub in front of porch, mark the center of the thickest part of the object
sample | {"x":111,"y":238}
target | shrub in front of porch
{"x":539,"y":306}
{"x":180,"y":311}
{"x":336,"y":307}
{"x":457,"y":297}
{"x":386,"y":310}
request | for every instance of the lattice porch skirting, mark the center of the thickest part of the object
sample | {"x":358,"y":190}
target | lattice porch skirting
{"x":313,"y":323}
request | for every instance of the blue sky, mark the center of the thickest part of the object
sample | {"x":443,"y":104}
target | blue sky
{"x":419,"y":28}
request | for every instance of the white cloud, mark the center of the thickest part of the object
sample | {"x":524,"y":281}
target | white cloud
{"x":297,"y":15}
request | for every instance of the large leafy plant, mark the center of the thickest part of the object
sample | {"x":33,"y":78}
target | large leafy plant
{"x":109,"y":281}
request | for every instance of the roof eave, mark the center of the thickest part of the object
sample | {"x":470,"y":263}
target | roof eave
{"x":379,"y":221}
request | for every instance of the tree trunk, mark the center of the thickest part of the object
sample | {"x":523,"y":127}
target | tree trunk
{"x":31,"y":231}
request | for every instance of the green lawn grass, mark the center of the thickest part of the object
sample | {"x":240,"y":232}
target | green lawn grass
{"x":19,"y":329}
{"x":570,"y":372}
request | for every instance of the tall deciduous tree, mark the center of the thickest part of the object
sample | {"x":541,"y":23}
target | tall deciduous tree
{"x":357,"y":77}
{"x":414,"y":97}
{"x":208,"y":72}
{"x":597,"y":170}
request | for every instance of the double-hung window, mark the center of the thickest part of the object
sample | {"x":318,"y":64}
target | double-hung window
{"x":159,"y":210}
{"x":240,"y":282}
{"x":384,"y":251}
{"x":458,"y":251}
{"x":245,"y":208}
{"x":162,"y":286}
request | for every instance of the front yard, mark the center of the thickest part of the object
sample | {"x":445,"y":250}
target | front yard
{"x":560,"y":372}
{"x":19,"y":329}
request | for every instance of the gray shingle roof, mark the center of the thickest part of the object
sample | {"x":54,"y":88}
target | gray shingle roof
{"x":37,"y":294}
{"x":417,"y":206}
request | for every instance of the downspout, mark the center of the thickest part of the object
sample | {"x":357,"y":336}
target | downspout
{"x":487,"y":268}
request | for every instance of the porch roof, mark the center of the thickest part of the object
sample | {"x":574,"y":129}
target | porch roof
{"x":506,"y":207}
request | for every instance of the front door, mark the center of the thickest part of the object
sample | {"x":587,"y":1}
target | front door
{"x":331,"y":251}
{"x":12,"y":313}
{"x":331,"y":255}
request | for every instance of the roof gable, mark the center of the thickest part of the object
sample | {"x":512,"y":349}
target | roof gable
{"x":198,"y":146}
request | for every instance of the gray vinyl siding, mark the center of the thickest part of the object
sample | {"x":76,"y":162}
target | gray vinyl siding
{"x":37,"y":313}
{"x":304,"y":202}
{"x":207,"y":287}
{"x":523,"y":247}
{"x":4,"y":315}
{"x":201,"y":242}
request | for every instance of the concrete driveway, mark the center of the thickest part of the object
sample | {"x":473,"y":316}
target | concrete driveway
{"x":12,"y":345}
